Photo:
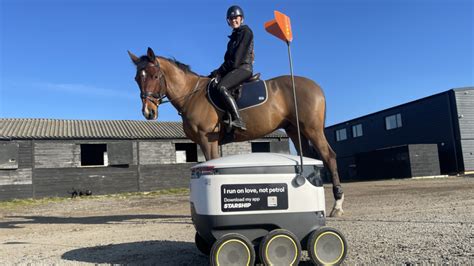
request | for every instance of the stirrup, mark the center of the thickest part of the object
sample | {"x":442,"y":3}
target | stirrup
{"x":227,"y":120}
{"x":237,"y":123}
{"x":234,"y":124}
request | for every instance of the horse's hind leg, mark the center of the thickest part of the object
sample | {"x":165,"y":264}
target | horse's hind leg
{"x":292,"y":132}
{"x":328,"y":156}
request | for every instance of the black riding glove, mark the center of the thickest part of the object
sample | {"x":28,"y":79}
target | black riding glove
{"x":214,"y":74}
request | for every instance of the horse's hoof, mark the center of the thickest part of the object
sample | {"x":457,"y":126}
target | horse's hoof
{"x":336,"y":213}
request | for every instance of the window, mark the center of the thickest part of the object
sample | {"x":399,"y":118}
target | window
{"x":9,"y":155}
{"x":260,"y":146}
{"x":393,"y":121}
{"x":94,"y":155}
{"x":186,"y":152}
{"x":357,"y":131}
{"x":341,"y":134}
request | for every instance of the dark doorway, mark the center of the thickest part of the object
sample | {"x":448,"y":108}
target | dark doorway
{"x":187,"y":150}
{"x":93,"y":154}
{"x":260,"y":146}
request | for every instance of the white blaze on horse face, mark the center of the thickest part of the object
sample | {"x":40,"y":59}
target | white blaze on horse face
{"x":149,"y":112}
{"x":143,"y":73}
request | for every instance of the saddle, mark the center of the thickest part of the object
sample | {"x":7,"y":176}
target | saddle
{"x":251,"y":93}
{"x":237,"y":91}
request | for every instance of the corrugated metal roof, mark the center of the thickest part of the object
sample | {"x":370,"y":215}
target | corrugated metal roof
{"x":13,"y":128}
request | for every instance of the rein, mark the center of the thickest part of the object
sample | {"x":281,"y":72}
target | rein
{"x":186,"y":97}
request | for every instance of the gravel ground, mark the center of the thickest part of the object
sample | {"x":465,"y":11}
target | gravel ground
{"x":427,"y":221}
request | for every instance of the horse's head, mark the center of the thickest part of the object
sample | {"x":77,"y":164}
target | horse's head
{"x":151,"y":81}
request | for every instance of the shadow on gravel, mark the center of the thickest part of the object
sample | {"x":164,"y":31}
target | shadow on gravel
{"x":397,"y":221}
{"x":131,"y":219}
{"x":146,"y":252}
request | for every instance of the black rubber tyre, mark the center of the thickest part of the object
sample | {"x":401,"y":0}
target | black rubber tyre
{"x":327,"y":246}
{"x":232,"y":249}
{"x":202,"y":244}
{"x":280,"y":247}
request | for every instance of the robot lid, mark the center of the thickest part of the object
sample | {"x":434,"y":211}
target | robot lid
{"x":257,"y":160}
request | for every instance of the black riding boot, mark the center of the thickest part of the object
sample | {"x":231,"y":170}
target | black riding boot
{"x":232,"y":108}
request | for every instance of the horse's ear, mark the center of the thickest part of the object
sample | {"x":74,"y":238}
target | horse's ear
{"x":151,"y":55}
{"x":134,"y":58}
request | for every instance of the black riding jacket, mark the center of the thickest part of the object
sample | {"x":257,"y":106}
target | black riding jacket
{"x":239,"y":52}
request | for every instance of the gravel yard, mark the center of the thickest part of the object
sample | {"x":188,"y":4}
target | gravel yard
{"x":394,"y":221}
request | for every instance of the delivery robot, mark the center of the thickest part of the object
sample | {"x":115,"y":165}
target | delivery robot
{"x":261,"y":203}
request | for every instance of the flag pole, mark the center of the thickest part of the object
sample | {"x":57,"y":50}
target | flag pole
{"x":280,"y":27}
{"x":300,"y":171}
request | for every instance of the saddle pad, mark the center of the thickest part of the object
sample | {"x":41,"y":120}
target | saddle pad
{"x":253,"y":94}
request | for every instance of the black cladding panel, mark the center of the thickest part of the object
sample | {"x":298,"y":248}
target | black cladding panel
{"x":465,"y":116}
{"x":120,"y":153}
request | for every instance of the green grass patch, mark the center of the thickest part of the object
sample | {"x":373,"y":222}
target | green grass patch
{"x":172,"y":191}
{"x":17,"y":203}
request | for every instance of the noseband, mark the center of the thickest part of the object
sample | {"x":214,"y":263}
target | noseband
{"x":152,"y":96}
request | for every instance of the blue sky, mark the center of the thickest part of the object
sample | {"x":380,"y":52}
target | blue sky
{"x":68,"y":59}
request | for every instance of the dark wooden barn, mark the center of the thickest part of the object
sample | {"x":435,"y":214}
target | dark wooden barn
{"x":46,"y":157}
{"x":386,"y":144}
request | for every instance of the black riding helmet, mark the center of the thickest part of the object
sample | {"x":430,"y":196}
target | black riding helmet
{"x":234,"y":11}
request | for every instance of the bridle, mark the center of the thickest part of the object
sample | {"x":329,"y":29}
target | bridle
{"x":157,"y":98}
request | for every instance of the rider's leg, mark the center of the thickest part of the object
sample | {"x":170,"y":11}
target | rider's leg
{"x":231,"y":106}
{"x":232,"y":79}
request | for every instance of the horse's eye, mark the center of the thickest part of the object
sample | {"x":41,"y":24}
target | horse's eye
{"x":156,"y":77}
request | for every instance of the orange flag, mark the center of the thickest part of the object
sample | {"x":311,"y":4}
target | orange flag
{"x":280,"y":27}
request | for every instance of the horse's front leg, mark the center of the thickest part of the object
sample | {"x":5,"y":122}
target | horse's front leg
{"x":206,"y":150}
{"x":209,"y":145}
{"x":214,"y":150}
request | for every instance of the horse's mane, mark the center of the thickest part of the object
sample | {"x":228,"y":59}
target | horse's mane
{"x":180,"y":65}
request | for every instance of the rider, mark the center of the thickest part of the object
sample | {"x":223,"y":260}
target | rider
{"x":238,"y":60}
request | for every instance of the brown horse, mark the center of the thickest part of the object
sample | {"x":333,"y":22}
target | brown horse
{"x":159,"y":77}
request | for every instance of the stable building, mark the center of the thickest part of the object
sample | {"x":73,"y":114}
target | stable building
{"x":49,"y":157}
{"x":430,"y":136}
